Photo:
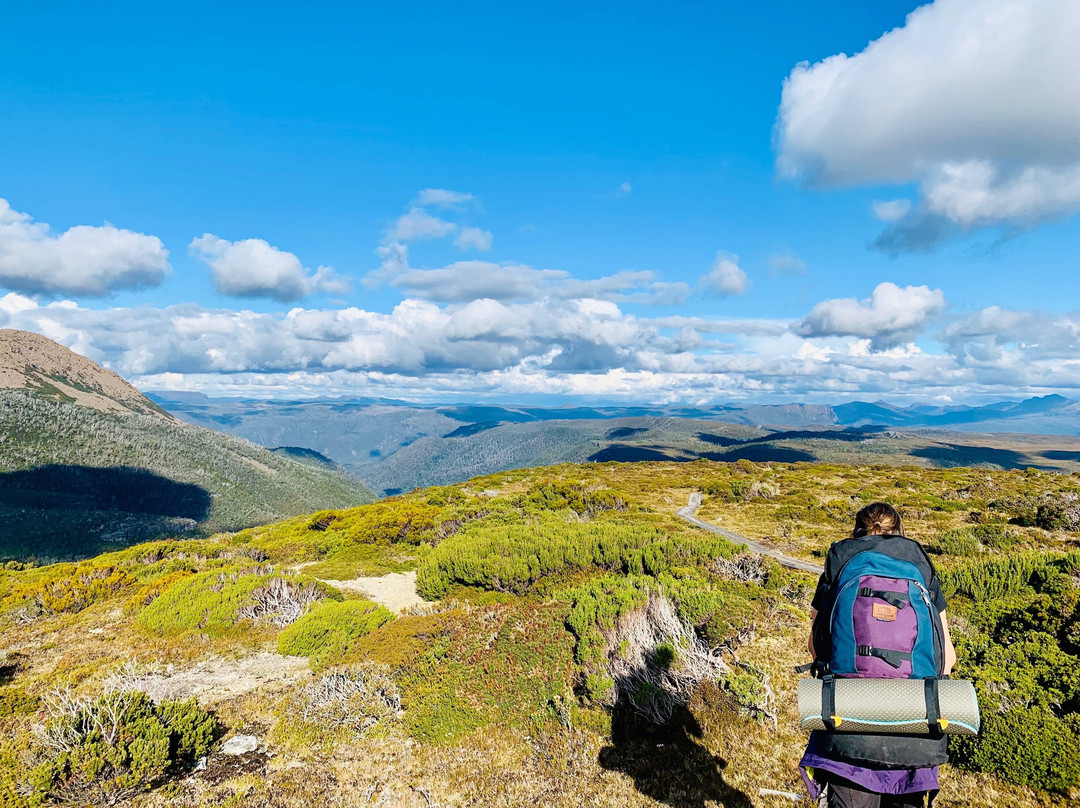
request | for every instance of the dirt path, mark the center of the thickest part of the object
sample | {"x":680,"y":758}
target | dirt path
{"x":215,"y":680}
{"x":688,"y":514}
{"x":396,"y":591}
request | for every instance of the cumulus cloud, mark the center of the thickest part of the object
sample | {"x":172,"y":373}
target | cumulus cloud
{"x":474,"y":238}
{"x":973,"y":100}
{"x":83,"y":260}
{"x":988,"y":334}
{"x":253,"y":268}
{"x":890,"y":317}
{"x":549,"y":347}
{"x":786,"y":263}
{"x":418,"y":225}
{"x":726,"y":279}
{"x":462,"y":281}
{"x":441,"y":197}
{"x":471,"y":280}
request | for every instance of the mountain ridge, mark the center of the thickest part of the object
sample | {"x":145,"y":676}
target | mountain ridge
{"x":31,"y":361}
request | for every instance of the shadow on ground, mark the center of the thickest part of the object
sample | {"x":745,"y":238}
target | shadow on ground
{"x":58,"y":512}
{"x":117,"y":488}
{"x":949,"y":455}
{"x":669,"y":763}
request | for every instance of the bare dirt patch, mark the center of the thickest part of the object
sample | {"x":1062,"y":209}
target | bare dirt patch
{"x":216,"y":680}
{"x":396,"y":591}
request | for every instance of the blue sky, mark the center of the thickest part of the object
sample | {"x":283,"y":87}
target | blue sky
{"x":595,"y":142}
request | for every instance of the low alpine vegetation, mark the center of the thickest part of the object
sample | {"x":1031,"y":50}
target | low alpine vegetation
{"x":329,"y":631}
{"x":104,"y":751}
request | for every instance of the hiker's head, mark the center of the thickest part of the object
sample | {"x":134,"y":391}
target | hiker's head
{"x":878,"y":519}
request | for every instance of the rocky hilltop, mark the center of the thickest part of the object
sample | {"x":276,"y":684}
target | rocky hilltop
{"x":29,"y":361}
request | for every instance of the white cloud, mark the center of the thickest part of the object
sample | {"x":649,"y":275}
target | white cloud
{"x":891,"y":210}
{"x":474,"y":238}
{"x":441,"y":197}
{"x":462,"y":281}
{"x":974,"y":100}
{"x":625,"y":189}
{"x":83,"y":260}
{"x":253,"y":268}
{"x":417,"y":225}
{"x":471,"y":280}
{"x":786,"y":263}
{"x":726,"y":278}
{"x":890,"y":317}
{"x":552,"y":346}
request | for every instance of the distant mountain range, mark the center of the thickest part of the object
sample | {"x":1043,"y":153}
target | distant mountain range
{"x":395,"y":446}
{"x":88,"y":463}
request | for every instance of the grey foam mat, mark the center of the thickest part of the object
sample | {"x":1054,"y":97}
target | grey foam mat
{"x":891,"y":706}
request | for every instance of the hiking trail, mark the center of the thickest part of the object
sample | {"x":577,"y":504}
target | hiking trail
{"x":688,"y":513}
{"x":396,"y":590}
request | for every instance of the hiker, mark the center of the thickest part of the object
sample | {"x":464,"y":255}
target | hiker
{"x":866,"y":770}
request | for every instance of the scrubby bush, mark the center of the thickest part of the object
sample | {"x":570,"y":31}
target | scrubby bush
{"x":996,"y":535}
{"x":578,"y":497}
{"x":105,"y":751}
{"x":338,"y":704}
{"x":209,"y":601}
{"x":70,"y":587}
{"x":328,"y":632}
{"x":958,"y":542}
{"x":281,"y":601}
{"x":997,"y":577}
{"x":512,"y":558}
{"x":594,"y":608}
{"x":1029,"y":746}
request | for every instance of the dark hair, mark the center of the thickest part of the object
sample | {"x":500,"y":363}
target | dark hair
{"x":878,"y":519}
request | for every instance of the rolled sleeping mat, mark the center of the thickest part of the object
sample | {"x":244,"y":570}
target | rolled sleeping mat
{"x":892,"y":706}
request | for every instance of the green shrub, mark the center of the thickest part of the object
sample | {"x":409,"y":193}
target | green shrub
{"x":442,"y":719}
{"x":578,"y":497}
{"x":207,"y":602}
{"x":512,"y":558}
{"x":996,"y":535}
{"x":998,"y":577}
{"x":959,"y":542}
{"x":1051,"y":517}
{"x":719,"y":609}
{"x":595,"y":606}
{"x":1027,"y":746}
{"x":14,"y":701}
{"x":329,"y":631}
{"x":107,"y":751}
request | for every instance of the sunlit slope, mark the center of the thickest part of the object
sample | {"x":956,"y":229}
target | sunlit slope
{"x":580,"y":644}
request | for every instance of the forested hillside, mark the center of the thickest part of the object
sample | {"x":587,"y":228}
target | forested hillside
{"x":76,"y":481}
{"x":571,"y":643}
{"x":394,"y":446}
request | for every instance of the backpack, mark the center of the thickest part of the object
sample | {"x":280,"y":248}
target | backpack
{"x":877,"y":620}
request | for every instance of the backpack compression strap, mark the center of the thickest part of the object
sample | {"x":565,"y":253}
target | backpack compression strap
{"x":894,"y":658}
{"x":828,"y":704}
{"x":897,"y":599}
{"x":934,"y":720}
